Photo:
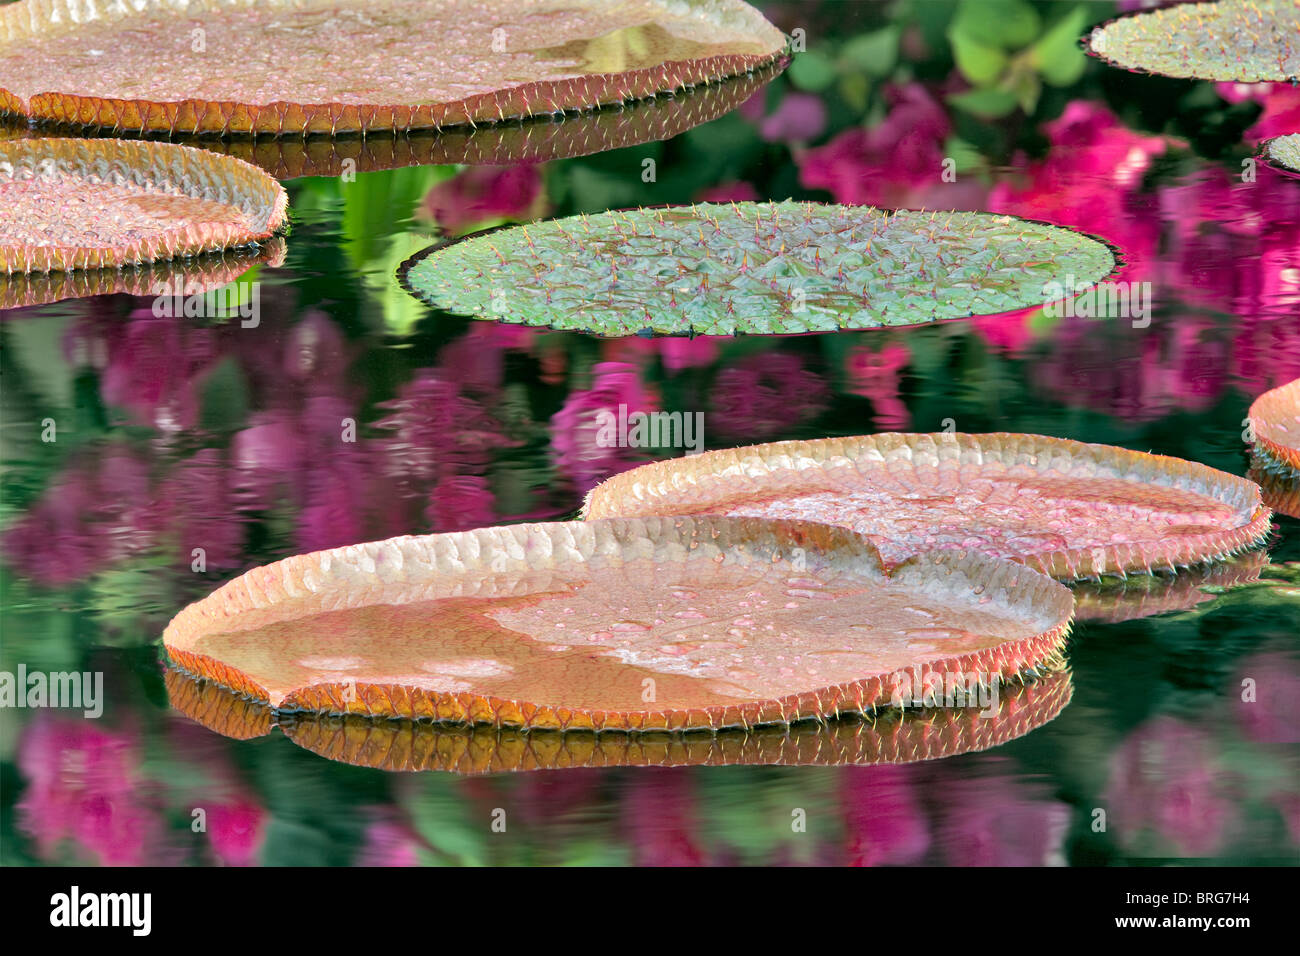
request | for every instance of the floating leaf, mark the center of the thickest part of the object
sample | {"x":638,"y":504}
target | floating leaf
{"x":662,"y":624}
{"x":1284,"y":151}
{"x":1280,"y":490}
{"x":196,"y":276}
{"x":755,"y":267}
{"x":537,"y":140}
{"x":1247,"y":41}
{"x":406,"y":745}
{"x":94,"y":204}
{"x":331,"y":66}
{"x":1275,"y":422}
{"x":1068,"y":508}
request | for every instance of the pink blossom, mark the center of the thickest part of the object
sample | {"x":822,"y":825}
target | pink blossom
{"x":799,"y":118}
{"x":896,"y":163}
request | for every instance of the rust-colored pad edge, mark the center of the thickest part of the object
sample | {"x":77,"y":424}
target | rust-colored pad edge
{"x":30,"y":18}
{"x":1265,"y":413}
{"x":414,"y":746}
{"x":168,"y":277}
{"x":696,"y":483}
{"x":486,"y":560}
{"x":216,"y":708}
{"x":1281,"y":490}
{"x":538,"y":140}
{"x":160,"y":167}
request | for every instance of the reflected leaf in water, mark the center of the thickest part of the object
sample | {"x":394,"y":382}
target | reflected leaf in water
{"x":194,"y":276}
{"x":894,"y":737}
{"x":1280,"y":490}
{"x":1145,"y":595}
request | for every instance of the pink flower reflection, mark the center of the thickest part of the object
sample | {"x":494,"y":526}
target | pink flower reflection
{"x":237,"y":832}
{"x":575,"y":428}
{"x":1003,"y":821}
{"x":659,"y":817}
{"x":874,"y":375}
{"x":1273,"y":715}
{"x":763,"y":395}
{"x":480,"y":194}
{"x":884,"y":818}
{"x":84,"y":784}
{"x":1165,"y":780}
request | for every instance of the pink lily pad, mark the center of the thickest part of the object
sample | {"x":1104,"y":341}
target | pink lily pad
{"x":331,"y":66}
{"x":1067,"y":508}
{"x":95,"y":204}
{"x":657,"y":624}
{"x":1275,"y":420}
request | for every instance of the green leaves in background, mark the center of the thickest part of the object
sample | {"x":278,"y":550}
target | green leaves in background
{"x":1002,"y":48}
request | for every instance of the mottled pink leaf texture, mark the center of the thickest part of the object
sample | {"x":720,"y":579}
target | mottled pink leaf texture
{"x":282,"y":67}
{"x":1069,"y":509}
{"x":73,"y":204}
{"x":656,"y":624}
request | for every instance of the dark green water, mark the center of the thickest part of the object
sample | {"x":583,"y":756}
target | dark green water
{"x":183,"y":433}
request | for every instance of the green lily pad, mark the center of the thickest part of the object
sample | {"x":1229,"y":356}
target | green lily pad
{"x":1284,"y":151}
{"x":1247,"y":41}
{"x":766,"y":268}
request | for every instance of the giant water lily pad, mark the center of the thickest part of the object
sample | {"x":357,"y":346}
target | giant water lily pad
{"x":1068,"y":508}
{"x":1275,"y":421}
{"x":907,"y":736}
{"x":537,"y":140}
{"x":1284,"y":151}
{"x":330,"y":66}
{"x":661,"y":624}
{"x":719,"y":269}
{"x":94,"y":204}
{"x":1249,"y":41}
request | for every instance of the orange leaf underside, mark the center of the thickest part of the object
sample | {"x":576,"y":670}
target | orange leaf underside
{"x":95,"y":204}
{"x":1281,"y":491}
{"x":189,"y":277}
{"x":1275,"y":418}
{"x":330,"y":66}
{"x":403,"y":745}
{"x":1067,"y":508}
{"x":663,"y":624}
